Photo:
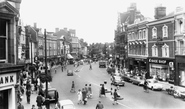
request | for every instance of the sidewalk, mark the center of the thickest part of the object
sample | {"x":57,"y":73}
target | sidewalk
{"x":34,"y":95}
{"x":168,"y":85}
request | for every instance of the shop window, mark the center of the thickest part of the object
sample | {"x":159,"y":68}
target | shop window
{"x":154,"y":32}
{"x":165,"y":31}
{"x":165,"y":50}
{"x":154,"y":50}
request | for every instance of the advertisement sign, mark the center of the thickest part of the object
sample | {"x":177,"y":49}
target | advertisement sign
{"x":7,"y":79}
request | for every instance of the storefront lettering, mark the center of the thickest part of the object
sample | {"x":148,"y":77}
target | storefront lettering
{"x":157,"y":61}
{"x":6,"y":79}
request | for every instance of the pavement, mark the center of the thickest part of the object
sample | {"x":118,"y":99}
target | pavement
{"x":34,"y":95}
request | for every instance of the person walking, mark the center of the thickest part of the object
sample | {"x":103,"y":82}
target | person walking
{"x":28,"y":95}
{"x":99,"y":105}
{"x":84,"y":96}
{"x":89,"y":91}
{"x":73,"y":87}
{"x":20,"y":106}
{"x":90,"y":67}
{"x":39,"y":100}
{"x":115,"y":96}
{"x":79,"y":93}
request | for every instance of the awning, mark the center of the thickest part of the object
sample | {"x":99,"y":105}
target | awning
{"x":69,"y":56}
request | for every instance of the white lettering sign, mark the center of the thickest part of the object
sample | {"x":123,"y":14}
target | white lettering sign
{"x":7,"y":79}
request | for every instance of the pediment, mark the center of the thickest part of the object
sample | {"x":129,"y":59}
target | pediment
{"x":5,"y":7}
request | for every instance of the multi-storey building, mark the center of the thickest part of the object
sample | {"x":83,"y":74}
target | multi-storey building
{"x":180,"y":46}
{"x":9,"y":72}
{"x":161,"y":45}
{"x":137,"y":34}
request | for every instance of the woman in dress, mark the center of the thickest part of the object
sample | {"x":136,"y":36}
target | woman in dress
{"x":79,"y":93}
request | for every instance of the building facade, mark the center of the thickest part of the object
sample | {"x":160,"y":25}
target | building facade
{"x":138,"y":46}
{"x":180,"y":46}
{"x":9,"y":71}
{"x":161,"y":46}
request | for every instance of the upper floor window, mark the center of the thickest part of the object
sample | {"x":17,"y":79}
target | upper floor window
{"x":133,"y":37}
{"x":144,"y":34}
{"x":165,"y":50}
{"x":154,"y":32}
{"x":165,"y":31}
{"x":140,"y":35}
{"x":154,"y":50}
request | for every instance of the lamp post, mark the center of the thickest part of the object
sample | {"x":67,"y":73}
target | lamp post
{"x":31,"y":59}
{"x":46,"y":70}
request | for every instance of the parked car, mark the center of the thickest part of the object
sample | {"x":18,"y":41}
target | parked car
{"x":66,"y":104}
{"x":102,"y":64}
{"x":69,"y":72}
{"x":53,"y":95}
{"x":117,"y":81}
{"x":154,"y":84}
{"x":136,"y":80}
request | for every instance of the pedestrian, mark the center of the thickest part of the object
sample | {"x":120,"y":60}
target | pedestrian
{"x":20,"y":106}
{"x":33,"y":107}
{"x":39,"y":100}
{"x":102,"y":90}
{"x":99,"y":105}
{"x":84,"y":96}
{"x":72,"y":87}
{"x":90,"y":67}
{"x":115,"y":96}
{"x":55,"y":70}
{"x":62,"y":67}
{"x":89,"y":91}
{"x":79,"y":93}
{"x":86,"y":89}
{"x":28,"y":95}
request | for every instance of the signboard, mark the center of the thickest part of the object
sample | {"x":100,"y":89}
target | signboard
{"x":160,"y":61}
{"x":7,"y":79}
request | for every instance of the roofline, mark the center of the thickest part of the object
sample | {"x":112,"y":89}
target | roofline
{"x":171,"y":18}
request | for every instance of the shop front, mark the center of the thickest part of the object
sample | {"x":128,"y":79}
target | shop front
{"x":138,"y":65}
{"x":180,"y":71}
{"x":162,"y":69}
{"x":8,"y":83}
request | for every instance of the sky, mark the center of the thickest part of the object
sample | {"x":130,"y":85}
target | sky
{"x":93,"y":20}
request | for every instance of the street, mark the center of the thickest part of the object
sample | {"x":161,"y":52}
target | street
{"x":134,"y":96}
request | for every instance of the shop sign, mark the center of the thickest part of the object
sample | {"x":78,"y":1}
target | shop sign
{"x":7,"y":79}
{"x":158,"y":61}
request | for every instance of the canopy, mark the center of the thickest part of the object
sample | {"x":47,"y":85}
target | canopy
{"x":69,"y":56}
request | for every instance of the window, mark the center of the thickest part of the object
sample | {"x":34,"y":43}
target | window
{"x":154,"y":32}
{"x":165,"y":31}
{"x":165,"y":50}
{"x":144,"y":34}
{"x":140,"y":37}
{"x":3,"y":41}
{"x":133,"y":37}
{"x":154,"y":50}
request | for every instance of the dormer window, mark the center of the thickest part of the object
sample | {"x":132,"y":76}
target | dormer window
{"x":165,"y":31}
{"x":154,"y":32}
{"x":140,"y":35}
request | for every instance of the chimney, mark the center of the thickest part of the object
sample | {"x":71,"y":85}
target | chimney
{"x":65,"y":29}
{"x":35,"y":25}
{"x":56,"y":29}
{"x":160,"y":11}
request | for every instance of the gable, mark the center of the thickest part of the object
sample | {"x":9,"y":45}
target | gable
{"x":7,"y":8}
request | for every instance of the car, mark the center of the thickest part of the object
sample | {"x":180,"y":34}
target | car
{"x":118,"y":81}
{"x":137,"y":80}
{"x":52,"y":95}
{"x":154,"y":84}
{"x":81,"y":62}
{"x":102,"y":64}
{"x":66,"y":104}
{"x":69,"y":72}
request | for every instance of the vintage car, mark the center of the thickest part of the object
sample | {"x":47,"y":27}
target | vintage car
{"x":154,"y":84}
{"x":70,"y":73}
{"x":117,"y":81}
{"x":66,"y":104}
{"x":53,"y":95}
{"x":102,"y":64}
{"x":137,"y":80}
